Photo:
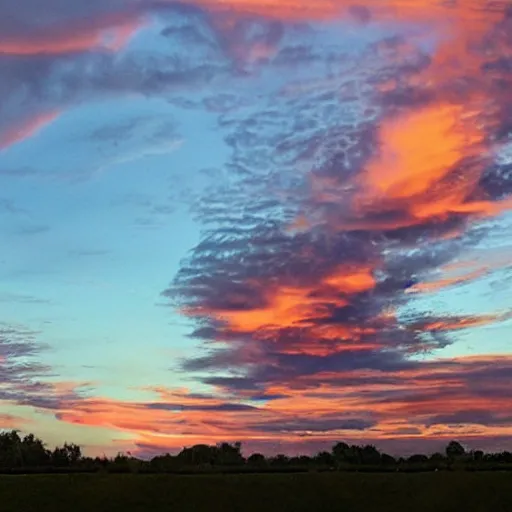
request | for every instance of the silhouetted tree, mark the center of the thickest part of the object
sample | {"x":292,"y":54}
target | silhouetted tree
{"x":505,"y":457}
{"x":125,"y":463}
{"x":352,"y":455}
{"x":164,"y":463}
{"x":477,"y":455}
{"x":257,"y":459}
{"x":340,"y":452}
{"x":387,"y":460}
{"x":454,"y":450}
{"x":229,"y":454}
{"x":11,"y":454}
{"x":324,"y":459}
{"x":224,"y":454}
{"x":198,"y":454}
{"x":34,"y":452}
{"x":418,"y":458}
{"x":369,"y":454}
{"x":17,"y":453}
{"x":280,"y":460}
{"x":303,"y":460}
{"x":66,"y":455}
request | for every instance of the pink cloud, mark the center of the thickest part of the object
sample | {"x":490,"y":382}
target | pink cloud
{"x":21,"y":131}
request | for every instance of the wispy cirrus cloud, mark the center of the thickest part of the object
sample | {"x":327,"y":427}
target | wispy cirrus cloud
{"x":56,"y":60}
{"x":24,"y":380}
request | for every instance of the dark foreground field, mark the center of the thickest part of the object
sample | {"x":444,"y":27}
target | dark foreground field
{"x":322,"y":492}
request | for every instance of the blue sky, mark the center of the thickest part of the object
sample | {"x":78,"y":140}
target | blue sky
{"x":86,"y":259}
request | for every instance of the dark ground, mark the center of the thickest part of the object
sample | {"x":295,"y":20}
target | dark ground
{"x":322,"y":492}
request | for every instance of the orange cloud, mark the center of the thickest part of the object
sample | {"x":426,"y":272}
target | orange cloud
{"x":459,"y":323}
{"x":286,"y":9}
{"x":108,"y":35}
{"x":417,"y":170}
{"x":464,"y":18}
{"x":465,"y":271}
{"x":177,"y":415}
{"x":430,"y":159}
{"x":349,"y":281}
{"x":7,"y":422}
{"x":289,"y":306}
{"x":420,"y":149}
{"x":19,"y":132}
{"x":410,"y":397}
{"x":397,"y":401}
{"x":428,"y":167}
{"x":286,"y":307}
{"x":433,"y":286}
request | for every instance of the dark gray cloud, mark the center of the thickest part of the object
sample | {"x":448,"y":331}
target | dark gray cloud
{"x":225,"y":407}
{"x":313,"y":425}
{"x":24,"y":380}
{"x":476,"y":417}
{"x":19,"y":367}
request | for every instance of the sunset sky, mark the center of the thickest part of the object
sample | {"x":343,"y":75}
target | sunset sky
{"x":280,"y":222}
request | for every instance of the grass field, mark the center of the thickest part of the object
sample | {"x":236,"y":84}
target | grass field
{"x":322,"y":492}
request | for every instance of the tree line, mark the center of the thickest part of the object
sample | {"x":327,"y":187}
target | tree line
{"x":29,"y":454}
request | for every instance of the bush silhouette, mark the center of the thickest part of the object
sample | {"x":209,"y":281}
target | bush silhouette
{"x":29,"y":453}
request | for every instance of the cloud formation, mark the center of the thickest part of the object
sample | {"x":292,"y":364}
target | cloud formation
{"x":346,"y":196}
{"x":15,"y":134}
{"x":361,"y":167}
{"x":24,"y":380}
{"x":425,"y":404}
{"x":56,"y":58}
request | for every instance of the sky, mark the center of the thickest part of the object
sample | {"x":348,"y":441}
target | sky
{"x":275,"y":222}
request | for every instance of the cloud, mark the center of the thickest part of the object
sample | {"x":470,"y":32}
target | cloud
{"x":19,"y":369}
{"x":198,"y":407}
{"x":356,"y":172}
{"x":109,"y":35}
{"x":406,"y":409}
{"x":24,"y":380}
{"x":344,"y":197}
{"x":53,"y":61}
{"x":29,"y":29}
{"x":16,"y":134}
{"x":30,"y":229}
{"x":21,"y":298}
{"x":477,"y":417}
{"x":9,"y":207}
{"x":8,"y":421}
{"x":304,"y":426}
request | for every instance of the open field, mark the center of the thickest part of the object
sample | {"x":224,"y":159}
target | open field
{"x":322,"y":492}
